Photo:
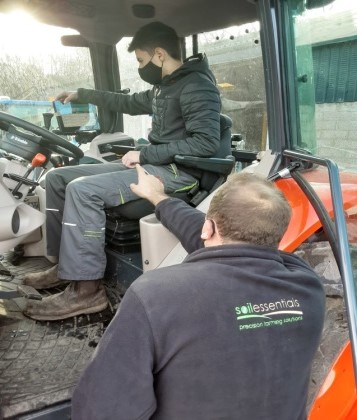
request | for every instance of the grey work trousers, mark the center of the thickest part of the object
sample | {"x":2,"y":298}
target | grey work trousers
{"x":76,"y":198}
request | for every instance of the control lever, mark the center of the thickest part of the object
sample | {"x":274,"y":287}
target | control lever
{"x":47,"y":117}
{"x":56,"y":161}
{"x":37,"y":161}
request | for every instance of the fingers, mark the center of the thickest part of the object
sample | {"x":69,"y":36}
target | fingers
{"x":59,"y":97}
{"x":140,"y":170}
{"x":149,"y":186}
{"x":134,"y":188}
{"x":131,"y":158}
{"x":144,"y":186}
{"x":73,"y":96}
{"x":62,"y":96}
{"x":66,"y":97}
{"x":129,"y":164}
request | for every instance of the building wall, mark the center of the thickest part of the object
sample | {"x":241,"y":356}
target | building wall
{"x":336,"y":131}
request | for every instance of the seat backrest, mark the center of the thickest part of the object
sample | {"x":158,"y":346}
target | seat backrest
{"x":209,"y":179}
{"x":226,"y":133}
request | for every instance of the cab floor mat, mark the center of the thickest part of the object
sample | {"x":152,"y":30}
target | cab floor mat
{"x":40,"y":362}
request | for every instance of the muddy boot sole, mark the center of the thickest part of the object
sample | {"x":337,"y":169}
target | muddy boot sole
{"x":54,"y":317}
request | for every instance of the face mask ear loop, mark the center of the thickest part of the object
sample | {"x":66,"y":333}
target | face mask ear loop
{"x":162,"y":63}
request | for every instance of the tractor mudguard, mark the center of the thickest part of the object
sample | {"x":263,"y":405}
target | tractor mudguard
{"x":337,"y":398}
{"x":304,"y":221}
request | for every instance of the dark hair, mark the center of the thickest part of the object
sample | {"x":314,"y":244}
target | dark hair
{"x":250,"y":209}
{"x":157,"y":35}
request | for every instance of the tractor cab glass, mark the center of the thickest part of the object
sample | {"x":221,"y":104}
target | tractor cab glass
{"x":235,"y":57}
{"x":36,"y":67}
{"x":323,"y":96}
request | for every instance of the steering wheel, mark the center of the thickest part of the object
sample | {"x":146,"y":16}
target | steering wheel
{"x":49,"y":140}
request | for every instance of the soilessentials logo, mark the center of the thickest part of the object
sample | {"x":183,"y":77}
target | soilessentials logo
{"x":267,"y":314}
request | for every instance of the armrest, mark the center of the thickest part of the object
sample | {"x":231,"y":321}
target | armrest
{"x":216,"y":165}
{"x":244,"y":156}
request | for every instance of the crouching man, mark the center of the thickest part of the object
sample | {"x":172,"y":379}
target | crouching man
{"x":228,"y":334}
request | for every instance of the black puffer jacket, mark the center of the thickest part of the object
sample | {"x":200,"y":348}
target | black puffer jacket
{"x":185,"y":110}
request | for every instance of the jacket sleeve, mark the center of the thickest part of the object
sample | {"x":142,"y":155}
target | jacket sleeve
{"x":200,"y":107}
{"x":119,"y":378}
{"x":183,"y":221}
{"x":135,"y":104}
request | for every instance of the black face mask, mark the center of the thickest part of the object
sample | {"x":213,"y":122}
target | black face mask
{"x":151,"y":73}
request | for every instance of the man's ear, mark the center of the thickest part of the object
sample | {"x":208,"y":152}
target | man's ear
{"x":207,"y":230}
{"x":161,"y":53}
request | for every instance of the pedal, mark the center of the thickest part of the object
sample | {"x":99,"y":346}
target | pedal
{"x":4,"y":271}
{"x":28,"y":292}
{"x":8,"y":290}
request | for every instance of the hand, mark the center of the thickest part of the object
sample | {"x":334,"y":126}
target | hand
{"x":131,"y":158}
{"x":66,"y":97}
{"x":148,"y":186}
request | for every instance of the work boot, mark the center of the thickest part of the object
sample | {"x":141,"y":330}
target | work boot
{"x":79,"y":298}
{"x":44,"y":279}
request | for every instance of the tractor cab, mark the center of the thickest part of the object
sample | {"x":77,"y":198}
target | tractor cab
{"x":286,"y":73}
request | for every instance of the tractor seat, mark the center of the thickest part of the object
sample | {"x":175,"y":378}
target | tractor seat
{"x":122,"y":226}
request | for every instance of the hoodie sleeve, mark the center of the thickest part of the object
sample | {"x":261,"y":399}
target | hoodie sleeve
{"x":183,"y":221}
{"x":135,"y":104}
{"x":119,"y":378}
{"x":200,"y":107}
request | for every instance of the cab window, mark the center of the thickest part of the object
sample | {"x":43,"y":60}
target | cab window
{"x":235,"y":58}
{"x":135,"y":126}
{"x":324,"y":45}
{"x":35,"y":67}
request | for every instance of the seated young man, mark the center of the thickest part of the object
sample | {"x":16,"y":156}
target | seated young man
{"x":185,"y":108}
{"x":228,"y":334}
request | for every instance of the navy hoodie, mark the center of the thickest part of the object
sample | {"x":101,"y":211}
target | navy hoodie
{"x":228,"y":334}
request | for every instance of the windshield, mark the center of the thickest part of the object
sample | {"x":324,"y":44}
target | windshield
{"x":324,"y":56}
{"x":36,"y":67}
